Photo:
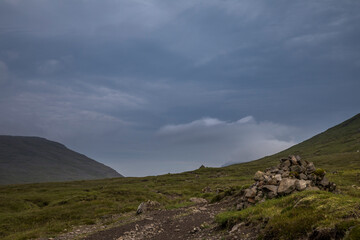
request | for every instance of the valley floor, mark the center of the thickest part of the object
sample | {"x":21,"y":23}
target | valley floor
{"x":194,"y":222}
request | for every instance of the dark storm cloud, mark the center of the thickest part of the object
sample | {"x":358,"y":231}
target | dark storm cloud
{"x":112,"y":78}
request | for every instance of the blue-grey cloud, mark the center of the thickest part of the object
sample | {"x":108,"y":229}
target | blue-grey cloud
{"x":104,"y":76}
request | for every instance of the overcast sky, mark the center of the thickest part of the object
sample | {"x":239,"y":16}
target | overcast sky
{"x":156,"y":86}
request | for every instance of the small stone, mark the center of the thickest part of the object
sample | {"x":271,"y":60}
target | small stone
{"x":206,"y":189}
{"x":303,"y":163}
{"x":250,"y":192}
{"x":278,"y":177}
{"x":198,"y":200}
{"x":251,"y":200}
{"x":240,"y":206}
{"x":303,"y":176}
{"x":286,"y":164}
{"x":324,"y":182}
{"x":195,"y":229}
{"x":310,"y":168}
{"x":259,"y":175}
{"x":237,"y":227}
{"x":296,"y":168}
{"x":293,"y":160}
{"x":273,"y":181}
{"x":285,"y":174}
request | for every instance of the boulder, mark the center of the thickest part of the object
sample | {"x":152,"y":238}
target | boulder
{"x":286,"y":186}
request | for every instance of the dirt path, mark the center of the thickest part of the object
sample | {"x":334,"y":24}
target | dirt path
{"x":196,"y":222}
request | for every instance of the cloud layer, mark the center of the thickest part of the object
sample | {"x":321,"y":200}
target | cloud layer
{"x":131,"y":82}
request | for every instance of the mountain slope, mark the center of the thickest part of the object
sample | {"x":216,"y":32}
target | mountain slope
{"x":334,"y":149}
{"x":34,"y":159}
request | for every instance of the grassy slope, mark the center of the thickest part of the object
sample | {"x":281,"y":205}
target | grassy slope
{"x":48,"y":208}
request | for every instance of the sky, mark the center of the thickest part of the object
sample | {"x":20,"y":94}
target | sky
{"x":150,"y":87}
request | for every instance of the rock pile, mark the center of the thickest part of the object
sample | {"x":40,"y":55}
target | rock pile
{"x":291,"y":175}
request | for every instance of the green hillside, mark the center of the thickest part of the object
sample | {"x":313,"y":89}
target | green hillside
{"x":47,"y":209}
{"x":335,"y":149}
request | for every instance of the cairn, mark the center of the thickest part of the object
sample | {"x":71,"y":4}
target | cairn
{"x":291,"y":175}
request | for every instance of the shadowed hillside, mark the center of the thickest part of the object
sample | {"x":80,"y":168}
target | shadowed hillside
{"x":34,"y":159}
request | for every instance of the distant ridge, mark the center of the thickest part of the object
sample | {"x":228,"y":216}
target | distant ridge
{"x":35,"y":159}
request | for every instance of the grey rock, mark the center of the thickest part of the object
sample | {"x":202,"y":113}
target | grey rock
{"x":293,"y":160}
{"x":301,"y":185}
{"x":278,"y":177}
{"x":250,"y":192}
{"x":259,"y":175}
{"x":310,"y":168}
{"x":286,"y":186}
{"x":141,"y":208}
{"x":240,"y":206}
{"x":296,"y":168}
{"x":270,"y":188}
{"x":147,"y":206}
{"x":285,"y":175}
{"x":286,"y":164}
{"x":272,"y":181}
{"x":303,"y":176}
{"x":324,"y":182}
{"x":303,"y":163}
